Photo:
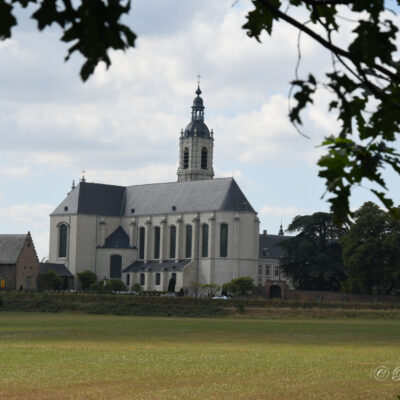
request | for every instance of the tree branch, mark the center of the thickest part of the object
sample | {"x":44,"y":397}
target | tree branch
{"x":337,"y":50}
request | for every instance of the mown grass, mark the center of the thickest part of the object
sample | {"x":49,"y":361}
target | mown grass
{"x":75,"y":356}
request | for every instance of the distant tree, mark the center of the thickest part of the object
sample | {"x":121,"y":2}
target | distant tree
{"x":114,"y":285}
{"x":313,"y":258}
{"x":181,"y":292}
{"x":50,"y":281}
{"x":171,"y":285}
{"x":371,"y":252}
{"x":86,"y":278}
{"x":240,"y":285}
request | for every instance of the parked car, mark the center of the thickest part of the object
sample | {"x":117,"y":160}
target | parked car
{"x":169,"y":294}
{"x":220,"y":298}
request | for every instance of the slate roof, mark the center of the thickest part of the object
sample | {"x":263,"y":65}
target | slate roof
{"x":59,"y":269}
{"x":10,"y":247}
{"x":222,"y":194}
{"x":269,"y":247}
{"x":156,"y":266}
{"x":119,"y":239}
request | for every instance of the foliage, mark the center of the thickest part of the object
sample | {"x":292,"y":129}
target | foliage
{"x":136,"y":287}
{"x":50,"y":281}
{"x":86,"y":278}
{"x":312,"y":259}
{"x":240,"y":285}
{"x":114,"y":285}
{"x":97,"y":286}
{"x":171,"y":285}
{"x":371,"y":252}
{"x":91,"y":26}
{"x":365,"y":83}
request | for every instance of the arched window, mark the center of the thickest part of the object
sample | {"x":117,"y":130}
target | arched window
{"x":142,"y":279}
{"x":188,"y":252}
{"x":186,"y":158}
{"x":158,"y":278}
{"x":115,"y":266}
{"x":172,"y":242}
{"x":204,"y":156}
{"x":223,"y":241}
{"x":204,"y":241}
{"x":62,"y":242}
{"x":157,"y":242}
{"x":141,"y":242}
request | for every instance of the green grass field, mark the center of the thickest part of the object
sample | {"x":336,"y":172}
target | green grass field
{"x":77,"y":356}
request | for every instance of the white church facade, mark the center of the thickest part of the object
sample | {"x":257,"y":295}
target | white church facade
{"x":196,"y":230}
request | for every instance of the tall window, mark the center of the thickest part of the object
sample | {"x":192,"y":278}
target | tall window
{"x":223,"y":241}
{"x":62,"y":244}
{"x":260,"y":270}
{"x":157,"y":242}
{"x":186,"y":158}
{"x":188,"y":241}
{"x":204,"y":156}
{"x":141,"y":243}
{"x":204,"y":241}
{"x":172,"y":242}
{"x":128,"y":279}
{"x":267,"y":270}
{"x":115,"y":266}
{"x":158,"y":278}
{"x":142,"y":280}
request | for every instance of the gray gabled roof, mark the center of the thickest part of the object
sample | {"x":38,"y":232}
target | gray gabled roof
{"x":222,"y":194}
{"x":269,"y":246}
{"x":156,"y":266}
{"x":59,"y":269}
{"x":11,"y":247}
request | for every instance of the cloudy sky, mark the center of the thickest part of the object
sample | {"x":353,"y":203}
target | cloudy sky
{"x":123,"y":125}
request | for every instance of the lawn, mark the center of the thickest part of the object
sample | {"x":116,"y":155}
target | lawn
{"x":77,"y":356}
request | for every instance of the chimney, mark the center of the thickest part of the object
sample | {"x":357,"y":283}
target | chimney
{"x":264,"y":232}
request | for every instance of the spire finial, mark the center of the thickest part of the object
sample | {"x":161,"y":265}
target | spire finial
{"x":73,"y":184}
{"x":198,"y":79}
{"x":281,"y":230}
{"x":83,"y":176}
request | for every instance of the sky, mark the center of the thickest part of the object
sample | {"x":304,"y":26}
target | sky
{"x":123,"y":125}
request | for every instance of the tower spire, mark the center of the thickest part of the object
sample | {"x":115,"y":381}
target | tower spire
{"x":196,"y":145}
{"x":281,"y":230}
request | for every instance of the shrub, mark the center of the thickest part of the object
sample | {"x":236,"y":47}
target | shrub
{"x":136,"y":287}
{"x":114,"y":285}
{"x":86,"y":278}
{"x":50,"y":281}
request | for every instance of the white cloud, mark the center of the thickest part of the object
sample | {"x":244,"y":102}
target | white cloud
{"x":15,"y":171}
{"x":20,"y":218}
{"x":290,"y":211}
{"x":125,"y":177}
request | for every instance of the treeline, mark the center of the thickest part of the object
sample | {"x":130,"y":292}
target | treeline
{"x":362,"y":257}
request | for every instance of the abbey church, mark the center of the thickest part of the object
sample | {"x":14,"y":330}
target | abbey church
{"x":199,"y":229}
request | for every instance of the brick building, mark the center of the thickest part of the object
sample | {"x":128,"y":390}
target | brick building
{"x":19,"y":263}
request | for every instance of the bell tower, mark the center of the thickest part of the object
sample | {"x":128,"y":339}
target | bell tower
{"x":196,"y":146}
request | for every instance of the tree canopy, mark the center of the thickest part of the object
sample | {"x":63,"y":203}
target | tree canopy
{"x":313,"y":258}
{"x":371,"y":252}
{"x":364,"y":78}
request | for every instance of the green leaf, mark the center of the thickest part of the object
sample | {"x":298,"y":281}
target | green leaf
{"x":7,"y":20}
